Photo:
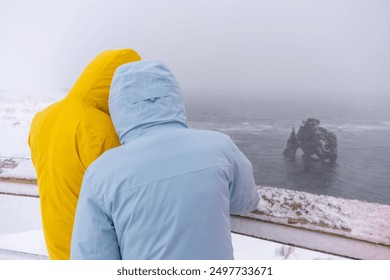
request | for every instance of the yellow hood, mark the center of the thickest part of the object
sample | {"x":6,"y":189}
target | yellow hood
{"x":93,"y":86}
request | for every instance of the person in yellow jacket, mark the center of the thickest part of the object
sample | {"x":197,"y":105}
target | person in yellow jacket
{"x":65,"y":139}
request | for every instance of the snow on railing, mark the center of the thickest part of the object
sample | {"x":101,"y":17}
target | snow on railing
{"x":17,"y":170}
{"x":350,"y":228}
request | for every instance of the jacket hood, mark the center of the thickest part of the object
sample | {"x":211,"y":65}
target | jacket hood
{"x":144,"y":95}
{"x":92,"y":87}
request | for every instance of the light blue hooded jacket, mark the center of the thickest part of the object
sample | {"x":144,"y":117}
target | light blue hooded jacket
{"x":167,"y":192}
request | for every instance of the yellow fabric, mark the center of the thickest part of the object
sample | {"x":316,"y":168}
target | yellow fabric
{"x":65,"y":139}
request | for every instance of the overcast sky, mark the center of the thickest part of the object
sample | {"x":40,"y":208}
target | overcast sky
{"x":279,"y":46}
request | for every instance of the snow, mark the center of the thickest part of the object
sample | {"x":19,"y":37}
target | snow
{"x":31,"y":242}
{"x":14,"y":255}
{"x":248,"y":248}
{"x":19,"y":214}
{"x":17,"y":168}
{"x":17,"y":110}
{"x":19,"y":189}
{"x":350,"y":218}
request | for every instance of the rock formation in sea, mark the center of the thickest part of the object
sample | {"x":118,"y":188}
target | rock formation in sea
{"x":316,"y":142}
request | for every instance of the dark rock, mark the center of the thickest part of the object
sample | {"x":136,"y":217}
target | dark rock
{"x":316,"y":142}
{"x":292,"y":146}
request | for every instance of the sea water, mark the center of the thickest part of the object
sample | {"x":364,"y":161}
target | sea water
{"x":260,"y":126}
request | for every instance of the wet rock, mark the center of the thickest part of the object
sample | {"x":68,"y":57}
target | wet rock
{"x":316,"y":142}
{"x":292,"y":146}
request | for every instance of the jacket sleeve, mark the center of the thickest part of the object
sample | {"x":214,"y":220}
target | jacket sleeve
{"x":243,"y":191}
{"x":94,"y":236}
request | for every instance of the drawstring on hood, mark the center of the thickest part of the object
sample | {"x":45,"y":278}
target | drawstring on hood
{"x":144,"y":94}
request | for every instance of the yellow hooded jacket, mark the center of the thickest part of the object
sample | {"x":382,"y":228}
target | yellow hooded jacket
{"x":65,"y":139}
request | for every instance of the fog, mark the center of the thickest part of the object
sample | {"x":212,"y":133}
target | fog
{"x":283,"y":47}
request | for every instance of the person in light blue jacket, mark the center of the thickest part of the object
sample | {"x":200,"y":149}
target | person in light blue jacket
{"x":168,"y":191}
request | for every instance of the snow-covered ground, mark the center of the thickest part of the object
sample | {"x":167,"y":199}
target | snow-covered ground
{"x":20,"y":226}
{"x":16,"y":112}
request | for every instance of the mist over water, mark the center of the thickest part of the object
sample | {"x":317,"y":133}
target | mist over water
{"x":261,"y":125}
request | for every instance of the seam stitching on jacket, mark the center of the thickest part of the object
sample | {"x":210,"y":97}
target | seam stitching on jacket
{"x":173,"y":176}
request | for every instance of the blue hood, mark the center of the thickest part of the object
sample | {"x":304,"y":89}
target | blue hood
{"x":144,"y":95}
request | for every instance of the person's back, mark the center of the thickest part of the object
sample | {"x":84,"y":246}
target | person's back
{"x":65,"y":139}
{"x":172,"y":198}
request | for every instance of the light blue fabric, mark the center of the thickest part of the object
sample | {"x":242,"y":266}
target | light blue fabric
{"x":167,"y":192}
